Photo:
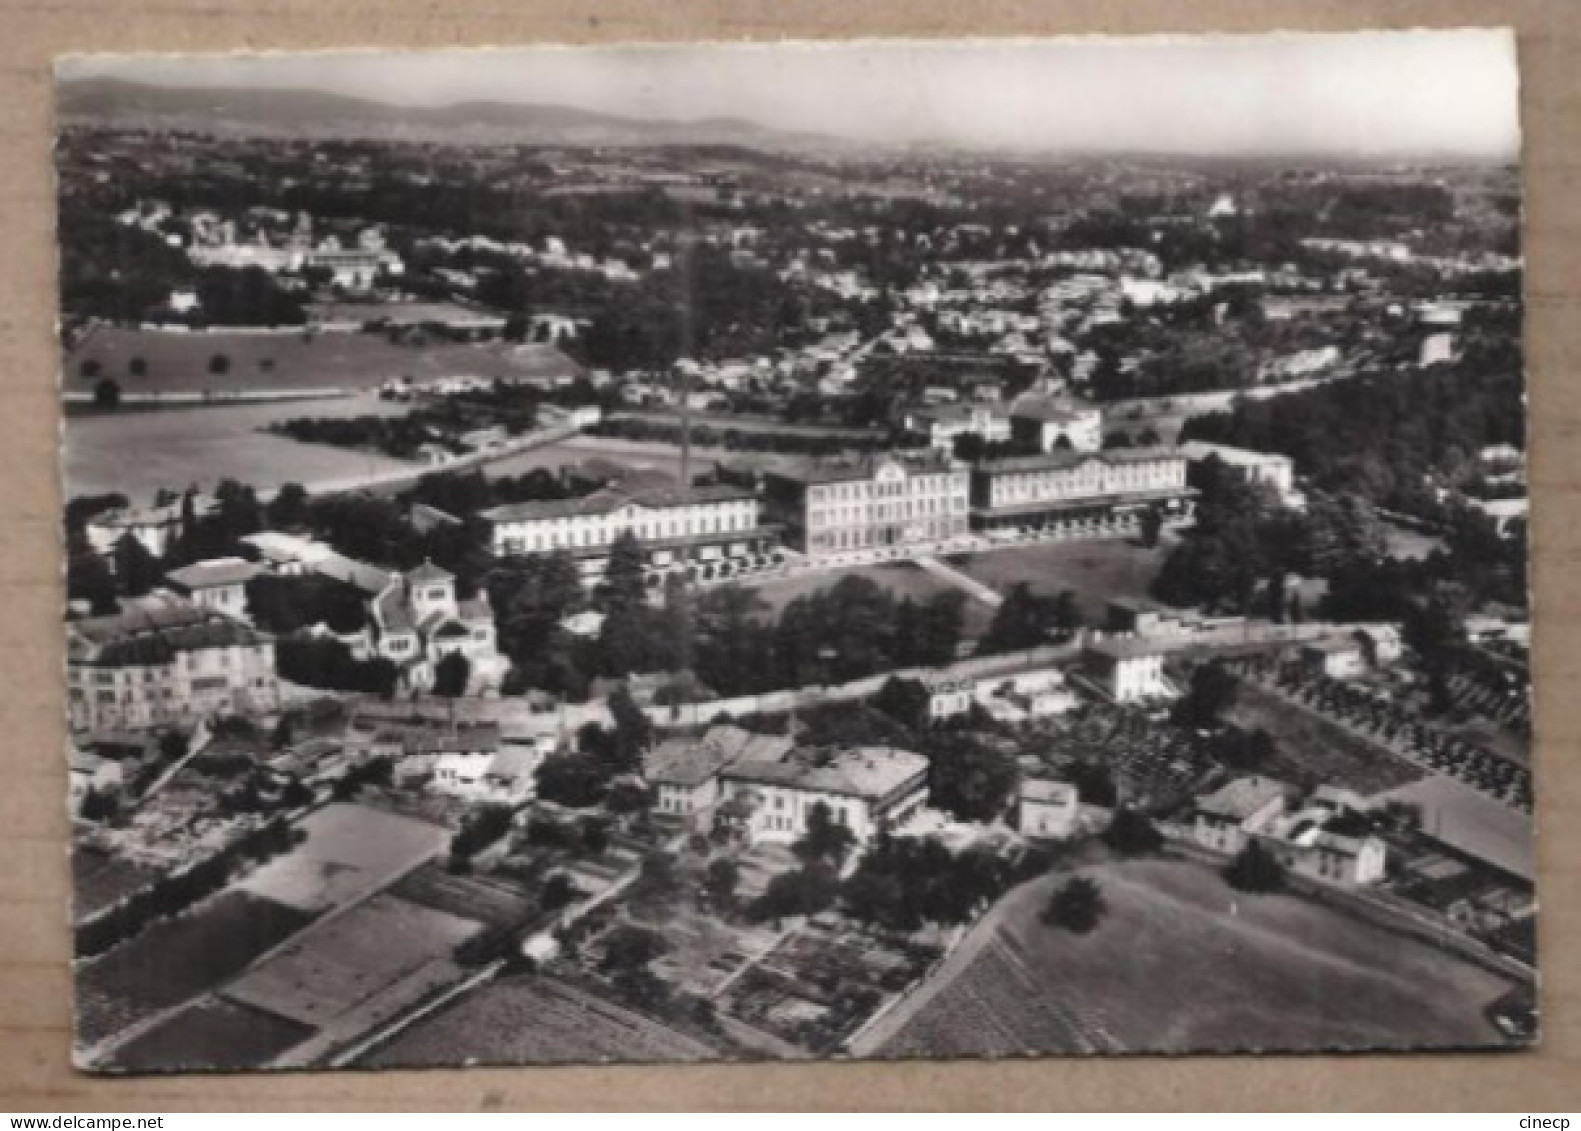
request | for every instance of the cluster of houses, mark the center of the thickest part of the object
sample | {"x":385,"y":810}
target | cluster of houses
{"x":1315,"y":836}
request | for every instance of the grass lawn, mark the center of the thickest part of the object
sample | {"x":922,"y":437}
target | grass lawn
{"x":1313,"y":750}
{"x":177,"y":959}
{"x":349,"y":958}
{"x":901,"y":578}
{"x":211,"y":1035}
{"x":534,"y":1019}
{"x":1183,"y":963}
{"x":350,"y":850}
{"x":1098,"y":570}
{"x":137,"y":453}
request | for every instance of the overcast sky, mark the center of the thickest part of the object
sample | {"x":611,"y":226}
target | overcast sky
{"x":1373,"y":92}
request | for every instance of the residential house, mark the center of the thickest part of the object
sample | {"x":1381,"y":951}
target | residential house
{"x":865,"y":789}
{"x":1047,"y":809}
{"x":219,"y":584}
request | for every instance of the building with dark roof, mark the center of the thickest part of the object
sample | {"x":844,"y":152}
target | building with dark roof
{"x":219,"y":584}
{"x":164,"y":662}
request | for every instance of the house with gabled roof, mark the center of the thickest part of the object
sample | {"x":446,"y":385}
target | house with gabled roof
{"x":416,"y":620}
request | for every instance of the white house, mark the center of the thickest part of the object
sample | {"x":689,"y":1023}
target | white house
{"x":1047,"y":809}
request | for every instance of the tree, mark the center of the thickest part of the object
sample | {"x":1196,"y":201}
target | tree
{"x":1077,"y":906}
{"x":451,"y":675}
{"x":826,"y":841}
{"x":1017,"y":623}
{"x":904,"y":700}
{"x":574,"y":780}
{"x":1131,"y":833}
{"x":107,"y":394}
{"x":1255,"y":869}
{"x":1152,"y":525}
{"x":806,"y":891}
{"x":632,"y":732}
{"x":1211,"y":693}
{"x":136,"y":570}
{"x":625,"y":581}
{"x":629,"y":949}
{"x":558,"y":891}
{"x":720,"y":882}
{"x":969,"y":777}
{"x":97,"y":806}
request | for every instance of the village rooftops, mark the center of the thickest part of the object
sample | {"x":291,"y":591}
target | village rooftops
{"x":1243,"y":797}
{"x":427,"y":573}
{"x":608,"y":500}
{"x":370,"y":579}
{"x":692,"y":761}
{"x":1060,"y":459}
{"x":1050,"y":409}
{"x":154,"y":634}
{"x":844,"y":469}
{"x":1124,"y":648}
{"x":867,"y":772}
{"x":1333,"y":645}
{"x":1047,"y":791}
{"x":480,"y":738}
{"x":213,"y":573}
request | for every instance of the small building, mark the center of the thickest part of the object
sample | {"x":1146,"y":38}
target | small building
{"x":1224,"y":819}
{"x":942,"y":425}
{"x":1047,"y":809}
{"x":1381,"y":644}
{"x":1269,"y":468}
{"x":1048,"y":424}
{"x":948,"y":696}
{"x":92,"y":772}
{"x":219,"y":584}
{"x":1337,"y":658}
{"x":684,"y":772}
{"x":1130,"y":669}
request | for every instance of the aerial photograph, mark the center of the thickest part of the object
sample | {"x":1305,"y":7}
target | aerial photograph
{"x":726,"y":552}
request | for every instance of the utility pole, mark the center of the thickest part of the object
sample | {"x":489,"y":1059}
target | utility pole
{"x":685,"y":240}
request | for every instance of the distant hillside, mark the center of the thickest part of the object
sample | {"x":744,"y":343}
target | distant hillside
{"x":314,"y":113}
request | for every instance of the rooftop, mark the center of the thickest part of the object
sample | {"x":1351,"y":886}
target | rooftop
{"x":213,"y":572}
{"x":607,"y":500}
{"x":1243,"y":797}
{"x":867,"y":772}
{"x":1048,"y":792}
{"x":1062,"y":459}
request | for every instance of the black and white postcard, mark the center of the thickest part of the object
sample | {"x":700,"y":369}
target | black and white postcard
{"x":794,"y":551}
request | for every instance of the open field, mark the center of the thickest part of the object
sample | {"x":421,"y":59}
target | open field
{"x":137,"y":453}
{"x":1181,"y":962}
{"x":180,"y":362}
{"x":345,"y":960}
{"x":177,"y":959}
{"x":1313,"y":750}
{"x":482,"y":899}
{"x":1478,"y":825}
{"x":640,"y":455}
{"x":901,"y":578}
{"x":350,"y":850}
{"x":214,"y":1034}
{"x":534,"y":1019}
{"x":1098,"y":570}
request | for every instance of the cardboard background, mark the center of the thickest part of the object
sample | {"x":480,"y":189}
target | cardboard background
{"x":35,"y":1070}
